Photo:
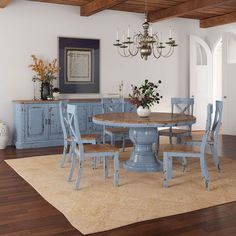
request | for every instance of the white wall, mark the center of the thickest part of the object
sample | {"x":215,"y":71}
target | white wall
{"x":214,"y":34}
{"x":32,"y":28}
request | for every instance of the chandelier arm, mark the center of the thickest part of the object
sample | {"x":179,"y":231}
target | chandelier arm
{"x":120,"y":53}
{"x":133,"y":51}
{"x":155,"y":47}
{"x":159,"y":50}
{"x":126,"y":52}
{"x":154,"y":54}
{"x":169,"y":53}
{"x":155,"y":37}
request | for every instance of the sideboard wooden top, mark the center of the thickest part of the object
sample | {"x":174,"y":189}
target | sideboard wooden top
{"x":56,"y":101}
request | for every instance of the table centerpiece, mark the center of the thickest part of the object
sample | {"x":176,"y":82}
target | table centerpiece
{"x":145,"y":96}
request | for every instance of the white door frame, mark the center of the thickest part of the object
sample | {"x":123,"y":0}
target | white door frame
{"x":201,"y":89}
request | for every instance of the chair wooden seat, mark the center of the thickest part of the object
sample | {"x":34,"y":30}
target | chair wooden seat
{"x":90,"y":137}
{"x":180,"y":148}
{"x":118,"y":130}
{"x":174,"y":132}
{"x":197,"y":140}
{"x":99,"y":148}
{"x":84,"y":137}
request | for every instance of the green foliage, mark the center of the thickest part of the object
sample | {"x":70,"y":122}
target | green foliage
{"x":146,"y":95}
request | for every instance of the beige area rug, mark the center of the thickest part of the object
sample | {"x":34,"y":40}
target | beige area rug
{"x":98,"y":206}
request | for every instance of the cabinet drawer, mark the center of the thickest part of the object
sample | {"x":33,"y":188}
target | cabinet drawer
{"x":35,"y":122}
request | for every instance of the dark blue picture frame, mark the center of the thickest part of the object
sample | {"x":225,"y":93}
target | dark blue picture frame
{"x":92,"y":45}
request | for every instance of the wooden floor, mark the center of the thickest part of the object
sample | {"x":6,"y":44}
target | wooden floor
{"x":24,"y":212}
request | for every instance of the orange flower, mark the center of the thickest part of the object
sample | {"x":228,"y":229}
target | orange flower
{"x":44,"y":72}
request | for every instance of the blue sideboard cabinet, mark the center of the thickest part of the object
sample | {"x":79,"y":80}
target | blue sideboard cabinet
{"x":37,"y":123}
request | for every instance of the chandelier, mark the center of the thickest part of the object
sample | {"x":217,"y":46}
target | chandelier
{"x":145,"y":43}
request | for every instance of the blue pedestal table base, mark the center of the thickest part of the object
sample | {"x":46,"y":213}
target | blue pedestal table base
{"x":143,"y":158}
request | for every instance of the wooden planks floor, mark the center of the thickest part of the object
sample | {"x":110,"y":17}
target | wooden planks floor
{"x":24,"y":212}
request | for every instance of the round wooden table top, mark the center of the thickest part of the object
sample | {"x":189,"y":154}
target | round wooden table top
{"x":156,"y":119}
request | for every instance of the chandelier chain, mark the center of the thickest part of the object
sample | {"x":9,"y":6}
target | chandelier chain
{"x":146,"y":9}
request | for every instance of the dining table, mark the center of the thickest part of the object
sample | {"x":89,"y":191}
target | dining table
{"x":143,"y":132}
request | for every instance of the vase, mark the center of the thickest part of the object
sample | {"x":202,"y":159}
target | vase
{"x":4,"y":135}
{"x":143,"y":112}
{"x":45,"y":90}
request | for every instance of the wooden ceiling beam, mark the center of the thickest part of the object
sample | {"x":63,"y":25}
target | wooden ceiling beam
{"x":182,"y":9}
{"x":4,"y":3}
{"x":96,"y":6}
{"x":218,"y":20}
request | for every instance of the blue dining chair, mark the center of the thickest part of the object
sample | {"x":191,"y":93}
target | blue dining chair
{"x":187,"y":151}
{"x":214,"y":135}
{"x":86,"y":138}
{"x":182,"y":106}
{"x":111,"y":104}
{"x":89,"y":150}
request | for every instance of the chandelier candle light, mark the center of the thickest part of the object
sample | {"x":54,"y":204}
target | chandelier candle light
{"x":145,"y":43}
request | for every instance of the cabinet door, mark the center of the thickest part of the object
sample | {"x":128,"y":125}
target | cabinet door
{"x":94,"y":110}
{"x":54,"y":123}
{"x":83,"y":115}
{"x":35,"y":122}
{"x":129,"y":107}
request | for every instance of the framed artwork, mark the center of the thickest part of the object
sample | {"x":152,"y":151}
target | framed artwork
{"x":79,"y":65}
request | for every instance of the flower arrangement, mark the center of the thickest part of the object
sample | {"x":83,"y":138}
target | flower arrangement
{"x":145,"y":95}
{"x":45,"y":72}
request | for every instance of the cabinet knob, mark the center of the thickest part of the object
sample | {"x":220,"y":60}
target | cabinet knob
{"x":192,"y":96}
{"x":225,"y":97}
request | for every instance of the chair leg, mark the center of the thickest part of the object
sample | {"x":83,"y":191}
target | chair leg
{"x":214,"y":152}
{"x":205,"y":171}
{"x":104,"y":138}
{"x":70,"y":152}
{"x":112,"y":140}
{"x":80,"y":171}
{"x":116,"y":170}
{"x":170,"y":139}
{"x":179,"y":139}
{"x":105,"y":167}
{"x":184,"y":163}
{"x":94,"y":162}
{"x":123,"y":143}
{"x":72,"y":166}
{"x":167,"y":168}
{"x":157,"y":151}
{"x":94,"y":159}
{"x":63,"y":158}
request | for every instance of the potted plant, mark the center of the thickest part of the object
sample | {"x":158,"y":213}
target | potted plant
{"x":144,"y":97}
{"x":56,"y":93}
{"x":45,"y":73}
